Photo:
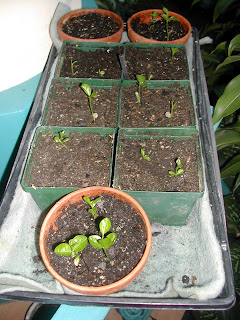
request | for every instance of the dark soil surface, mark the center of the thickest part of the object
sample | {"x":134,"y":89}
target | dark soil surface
{"x":155,"y":107}
{"x":158,"y":31}
{"x":156,"y":63}
{"x":68,"y":106}
{"x":85,"y":161}
{"x":94,"y":269}
{"x":90,"y":26}
{"x":90,"y":62}
{"x":136,"y":173}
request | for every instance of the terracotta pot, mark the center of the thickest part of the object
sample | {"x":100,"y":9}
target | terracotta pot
{"x":76,"y":196}
{"x":116,"y":37}
{"x":145,"y":17}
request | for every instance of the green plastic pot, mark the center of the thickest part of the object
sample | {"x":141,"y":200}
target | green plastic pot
{"x":153,"y":85}
{"x":83,"y":46}
{"x":70,"y":83}
{"x":168,"y":208}
{"x":45,"y":197}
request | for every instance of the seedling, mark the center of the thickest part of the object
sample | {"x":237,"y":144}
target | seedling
{"x":145,"y":157}
{"x":101,"y":72}
{"x":178,"y":170}
{"x":141,"y":83}
{"x":61,"y":138}
{"x":72,"y":69}
{"x":92,"y":204}
{"x":103,"y":242}
{"x":154,"y":14}
{"x":167,"y":18}
{"x":174,"y":51}
{"x":74,"y":246}
{"x":170,"y":114}
{"x":91,"y":94}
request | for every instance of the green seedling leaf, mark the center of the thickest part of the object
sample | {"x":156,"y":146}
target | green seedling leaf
{"x":141,"y":82}
{"x":166,"y":11}
{"x":229,"y":101}
{"x":92,"y":204}
{"x":167,"y":18}
{"x":145,"y":157}
{"x":78,"y":243}
{"x":104,"y":226}
{"x":179,"y":171}
{"x":94,"y":94}
{"x":174,"y":51}
{"x":87,"y":89}
{"x":63,"y":249}
{"x":107,"y":242}
{"x":101,"y":72}
{"x":76,"y":261}
{"x":72,"y":67}
{"x":94,"y":241}
{"x":61,"y":138}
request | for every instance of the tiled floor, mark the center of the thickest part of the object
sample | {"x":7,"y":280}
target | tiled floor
{"x":17,"y":310}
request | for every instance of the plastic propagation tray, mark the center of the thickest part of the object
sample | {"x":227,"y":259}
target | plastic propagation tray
{"x":207,"y":139}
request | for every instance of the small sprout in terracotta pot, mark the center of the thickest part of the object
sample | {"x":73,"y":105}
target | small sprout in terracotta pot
{"x":104,"y":242}
{"x":92,"y":204}
{"x":154,"y":14}
{"x":145,"y":157}
{"x":170,"y":114}
{"x":74,"y":246}
{"x":60,"y":138}
{"x":179,"y":171}
{"x":141,"y":83}
{"x":72,"y":69}
{"x":101,"y":72}
{"x":91,"y":94}
{"x":167,"y":18}
{"x":174,"y":51}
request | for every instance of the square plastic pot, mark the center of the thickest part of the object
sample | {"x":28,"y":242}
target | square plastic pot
{"x":168,"y":208}
{"x":109,"y":60}
{"x":152,"y":111}
{"x":46,"y":196}
{"x":76,"y":112}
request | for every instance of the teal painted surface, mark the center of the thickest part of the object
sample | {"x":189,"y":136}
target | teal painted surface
{"x":80,"y":313}
{"x":88,"y":4}
{"x":15,"y":104}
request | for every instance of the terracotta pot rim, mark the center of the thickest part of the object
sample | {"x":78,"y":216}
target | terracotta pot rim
{"x":115,"y":286}
{"x":65,"y":37}
{"x":184,"y":22}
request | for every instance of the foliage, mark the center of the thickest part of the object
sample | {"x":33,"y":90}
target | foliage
{"x":173,"y":51}
{"x":60,"y":138}
{"x":104,"y":242}
{"x":145,"y":157}
{"x":72,"y":67}
{"x":91,"y":94}
{"x":154,"y":14}
{"x":179,"y":170}
{"x":141,"y":83}
{"x":74,"y":246}
{"x":92,"y":204}
{"x":167,"y":18}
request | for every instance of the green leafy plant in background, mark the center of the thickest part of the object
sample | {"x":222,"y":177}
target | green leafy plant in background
{"x":167,"y":18}
{"x":141,"y":83}
{"x":91,"y":94}
{"x":105,"y":241}
{"x":222,"y":64}
{"x":60,"y":138}
{"x":74,"y":246}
